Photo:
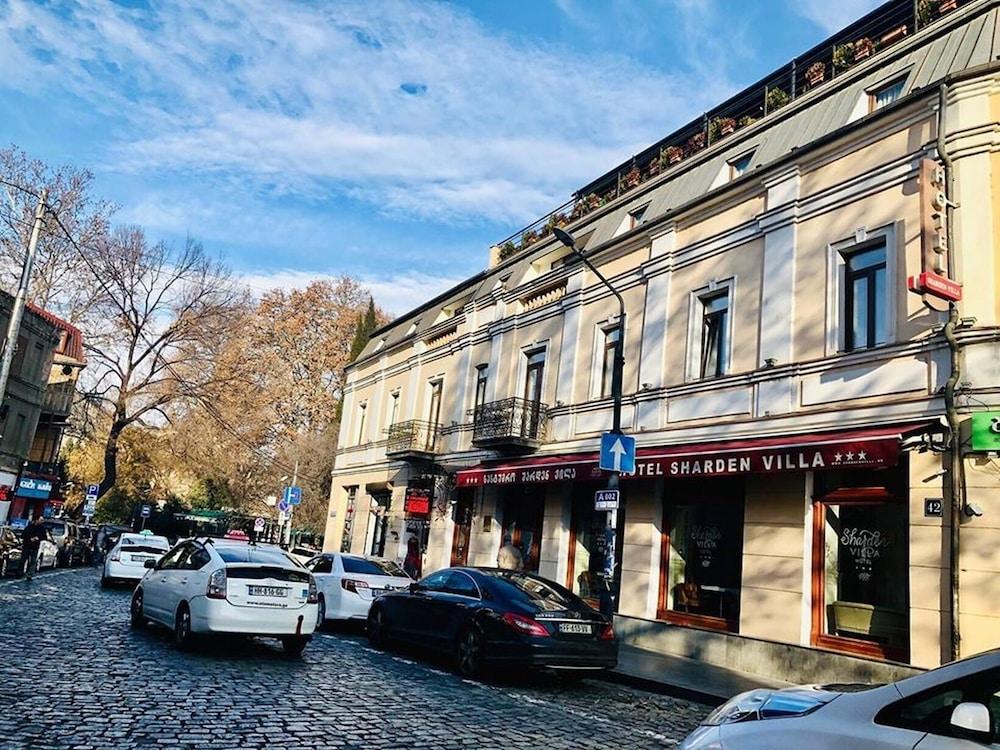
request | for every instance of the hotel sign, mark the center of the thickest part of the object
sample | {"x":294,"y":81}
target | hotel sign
{"x":859,"y":453}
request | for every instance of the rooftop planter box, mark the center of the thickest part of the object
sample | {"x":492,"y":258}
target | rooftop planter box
{"x":894,"y":35}
{"x":843,"y":57}
{"x":695,"y":143}
{"x":673,"y":154}
{"x":775,"y":99}
{"x":632,"y":178}
{"x":863,"y":48}
{"x":816,"y":73}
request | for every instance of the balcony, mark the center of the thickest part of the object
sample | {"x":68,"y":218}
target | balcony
{"x":413,"y":440}
{"x":58,"y":398}
{"x":512,"y":425}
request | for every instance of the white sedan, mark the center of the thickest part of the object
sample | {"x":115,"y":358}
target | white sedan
{"x":48,"y":554}
{"x":207,"y":585}
{"x":127,"y":559}
{"x":348,"y":584}
{"x":955,"y":707}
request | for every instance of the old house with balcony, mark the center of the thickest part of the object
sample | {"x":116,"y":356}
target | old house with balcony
{"x":811,"y":274}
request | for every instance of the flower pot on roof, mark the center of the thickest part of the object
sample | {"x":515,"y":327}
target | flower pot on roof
{"x":507,"y":250}
{"x":655,"y":166}
{"x":894,"y":35}
{"x":816,"y":73}
{"x":946,"y":6}
{"x":695,"y":143}
{"x":632,"y":178}
{"x":775,"y":99}
{"x":745,"y":121}
{"x":727,"y":126}
{"x":863,"y":47}
{"x":592,"y":201}
{"x":843,"y":57}
{"x":528,"y":237}
{"x":556,"y":220}
{"x":673,"y":154}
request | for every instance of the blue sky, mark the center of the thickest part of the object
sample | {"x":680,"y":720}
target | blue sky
{"x":394,"y":141}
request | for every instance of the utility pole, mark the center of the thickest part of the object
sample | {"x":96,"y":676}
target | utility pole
{"x":14,"y":328}
{"x":291,"y":508}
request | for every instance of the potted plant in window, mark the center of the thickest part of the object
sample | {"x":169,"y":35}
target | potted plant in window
{"x":843,"y":57}
{"x":776,"y":99}
{"x":863,"y":47}
{"x":815,"y":73}
{"x":632,"y":178}
{"x":673,"y":154}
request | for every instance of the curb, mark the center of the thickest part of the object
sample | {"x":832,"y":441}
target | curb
{"x":663,"y":688}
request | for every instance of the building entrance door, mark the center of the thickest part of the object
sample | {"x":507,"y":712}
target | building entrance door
{"x":463,"y":528}
{"x":523,"y":510}
{"x":378,"y":524}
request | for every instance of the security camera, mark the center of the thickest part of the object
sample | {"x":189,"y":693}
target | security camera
{"x":973,"y":510}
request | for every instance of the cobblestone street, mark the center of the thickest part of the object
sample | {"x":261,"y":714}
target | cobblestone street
{"x":75,"y":675}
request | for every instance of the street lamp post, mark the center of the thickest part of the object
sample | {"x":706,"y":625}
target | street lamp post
{"x":611,"y":532}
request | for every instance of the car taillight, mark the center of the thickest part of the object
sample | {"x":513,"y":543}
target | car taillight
{"x":607,"y":633}
{"x":524,"y":625}
{"x":116,"y":556}
{"x":353,"y":585}
{"x":217,"y":584}
{"x":313,"y":592}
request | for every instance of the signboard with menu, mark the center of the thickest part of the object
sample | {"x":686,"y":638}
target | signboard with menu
{"x":417,"y":501}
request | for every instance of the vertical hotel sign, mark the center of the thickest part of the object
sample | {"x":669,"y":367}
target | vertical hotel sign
{"x":933,"y":282}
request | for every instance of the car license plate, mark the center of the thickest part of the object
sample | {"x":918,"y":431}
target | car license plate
{"x":267,"y":591}
{"x":578,"y":628}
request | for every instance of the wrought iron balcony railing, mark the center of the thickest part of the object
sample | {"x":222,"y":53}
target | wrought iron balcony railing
{"x":414,"y":438}
{"x":510,"y":423}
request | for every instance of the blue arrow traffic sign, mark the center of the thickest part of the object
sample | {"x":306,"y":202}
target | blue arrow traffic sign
{"x":293,"y":495}
{"x":617,"y":453}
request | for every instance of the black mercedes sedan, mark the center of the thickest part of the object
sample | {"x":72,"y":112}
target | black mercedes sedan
{"x":491,"y":617}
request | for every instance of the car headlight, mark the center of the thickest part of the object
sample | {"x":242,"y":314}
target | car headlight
{"x":766,"y":704}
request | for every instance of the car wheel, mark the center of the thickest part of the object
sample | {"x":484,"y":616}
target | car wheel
{"x":105,"y":581}
{"x":320,"y":613}
{"x":292,"y":646}
{"x":136,"y":617}
{"x":469,"y":652}
{"x":378,"y":630}
{"x":183,"y":636}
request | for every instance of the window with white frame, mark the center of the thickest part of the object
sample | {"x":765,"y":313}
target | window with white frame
{"x":609,"y":337}
{"x":362,"y":412}
{"x":393,"y":408}
{"x":865,"y":318}
{"x":885,"y":94}
{"x":482,"y":380}
{"x":709,"y":335}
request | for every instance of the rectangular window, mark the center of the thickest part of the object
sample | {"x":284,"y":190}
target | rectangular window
{"x":533,"y":375}
{"x":637,"y":216}
{"x":393,"y":408}
{"x":482,"y":380}
{"x":740,"y":165}
{"x":611,"y":336}
{"x":702,"y":552}
{"x":885,"y":95}
{"x":362,"y":411}
{"x":865,"y":310}
{"x":434,"y":411}
{"x":714,"y":335}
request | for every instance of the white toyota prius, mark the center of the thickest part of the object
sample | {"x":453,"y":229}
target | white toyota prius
{"x":127,"y":559}
{"x":205,"y":586}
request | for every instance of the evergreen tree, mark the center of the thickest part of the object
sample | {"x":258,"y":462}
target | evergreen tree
{"x":367,"y":323}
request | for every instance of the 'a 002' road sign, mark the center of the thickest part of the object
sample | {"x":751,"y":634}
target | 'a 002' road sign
{"x":606,"y":500}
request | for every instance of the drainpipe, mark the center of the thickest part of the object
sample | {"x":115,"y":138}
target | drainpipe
{"x":956,"y":471}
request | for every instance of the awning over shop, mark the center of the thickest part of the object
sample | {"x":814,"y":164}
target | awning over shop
{"x":864,"y":448}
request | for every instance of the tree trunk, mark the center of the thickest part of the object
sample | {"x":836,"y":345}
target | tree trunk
{"x":111,"y":455}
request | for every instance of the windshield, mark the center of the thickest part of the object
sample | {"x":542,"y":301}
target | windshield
{"x":56,"y":529}
{"x":148,"y":543}
{"x":373,"y":567}
{"x":253,"y":554}
{"x":536,"y":592}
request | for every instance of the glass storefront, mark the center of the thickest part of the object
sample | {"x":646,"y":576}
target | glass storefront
{"x":703,"y":552}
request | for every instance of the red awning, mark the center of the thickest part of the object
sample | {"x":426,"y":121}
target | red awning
{"x":864,"y":448}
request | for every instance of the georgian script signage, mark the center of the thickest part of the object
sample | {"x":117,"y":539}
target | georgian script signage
{"x":36,"y":488}
{"x":862,"y":453}
{"x":417,"y":501}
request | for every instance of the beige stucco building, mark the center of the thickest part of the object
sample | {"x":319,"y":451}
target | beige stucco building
{"x":792,"y":399}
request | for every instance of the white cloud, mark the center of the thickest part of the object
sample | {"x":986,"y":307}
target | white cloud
{"x":833,"y":16}
{"x":395,"y":293}
{"x":306,"y":100}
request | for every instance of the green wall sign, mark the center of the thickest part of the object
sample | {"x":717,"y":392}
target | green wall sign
{"x":986,"y":431}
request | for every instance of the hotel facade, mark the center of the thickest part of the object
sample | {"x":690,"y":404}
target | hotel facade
{"x":817,"y":482}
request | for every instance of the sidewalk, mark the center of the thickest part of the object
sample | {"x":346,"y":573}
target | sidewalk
{"x":684,"y":678}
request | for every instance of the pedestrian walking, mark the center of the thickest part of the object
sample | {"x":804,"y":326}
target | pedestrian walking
{"x":31,"y":540}
{"x":510,"y":557}
{"x":412,"y":561}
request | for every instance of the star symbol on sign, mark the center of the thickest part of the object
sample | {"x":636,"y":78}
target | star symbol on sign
{"x":837,"y":458}
{"x":850,"y":456}
{"x":862,"y":455}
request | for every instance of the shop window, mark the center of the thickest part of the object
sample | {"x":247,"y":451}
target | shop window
{"x":865,"y":310}
{"x":588,"y":542}
{"x":861,"y":569}
{"x":702,"y":553}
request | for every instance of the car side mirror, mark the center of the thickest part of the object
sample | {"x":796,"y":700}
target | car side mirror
{"x":150,"y":564}
{"x":972,"y":721}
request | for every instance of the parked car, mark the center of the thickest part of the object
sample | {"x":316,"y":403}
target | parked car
{"x":204,"y":586}
{"x":72,"y":549}
{"x":490,"y":617}
{"x":348,"y":584}
{"x":303,"y":554}
{"x":107,"y":537}
{"x":954,"y":707}
{"x":127,"y":559}
{"x":10,"y":552}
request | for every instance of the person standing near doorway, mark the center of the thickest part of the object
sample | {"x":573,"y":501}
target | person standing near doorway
{"x":31,"y":540}
{"x":509,"y":557}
